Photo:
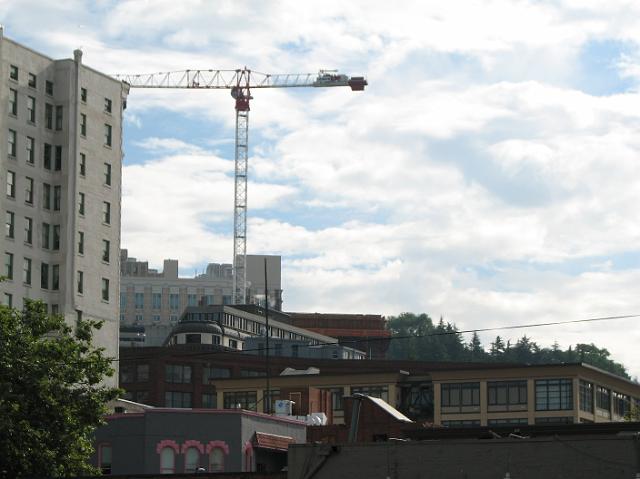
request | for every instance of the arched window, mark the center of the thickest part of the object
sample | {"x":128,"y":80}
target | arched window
{"x":216,"y":460}
{"x":167,"y":461}
{"x":248,"y":457}
{"x":191,"y":460}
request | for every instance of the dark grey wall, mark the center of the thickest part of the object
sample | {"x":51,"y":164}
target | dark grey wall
{"x":609,"y":457}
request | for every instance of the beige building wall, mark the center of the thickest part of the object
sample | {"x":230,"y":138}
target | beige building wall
{"x":574,"y":373}
{"x":60,"y":83}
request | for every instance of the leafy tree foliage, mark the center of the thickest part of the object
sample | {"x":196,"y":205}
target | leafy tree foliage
{"x":51,"y":397}
{"x":428,"y":342}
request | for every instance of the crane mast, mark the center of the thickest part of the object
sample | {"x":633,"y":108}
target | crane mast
{"x":240,"y":82}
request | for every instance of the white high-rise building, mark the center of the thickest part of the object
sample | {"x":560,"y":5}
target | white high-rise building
{"x":61,"y":122}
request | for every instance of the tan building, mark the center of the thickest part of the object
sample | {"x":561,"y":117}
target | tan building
{"x":156,"y":299}
{"x":61,"y":171}
{"x":544,"y":394}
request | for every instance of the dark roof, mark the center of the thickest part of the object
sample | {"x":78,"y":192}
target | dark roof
{"x":538,"y":430}
{"x":210,"y":327}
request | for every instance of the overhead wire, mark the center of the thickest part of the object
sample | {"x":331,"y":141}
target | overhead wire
{"x":409,"y":336}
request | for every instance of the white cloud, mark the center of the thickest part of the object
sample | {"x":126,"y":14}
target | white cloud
{"x":474,"y":179}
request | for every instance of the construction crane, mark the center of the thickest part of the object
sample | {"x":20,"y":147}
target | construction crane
{"x":241,"y":82}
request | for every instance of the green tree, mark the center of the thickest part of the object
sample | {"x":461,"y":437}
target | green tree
{"x":51,"y":393}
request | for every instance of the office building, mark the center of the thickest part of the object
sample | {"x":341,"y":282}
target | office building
{"x":156,"y":299}
{"x":61,"y":171}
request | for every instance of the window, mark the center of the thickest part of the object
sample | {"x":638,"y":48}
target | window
{"x":138,"y":318}
{"x":554,"y":394}
{"x":44,"y":275}
{"x":210,"y":372}
{"x":621,"y":403}
{"x":48,"y":87}
{"x":554,"y":420}
{"x":508,"y":422}
{"x":216,"y":460}
{"x":462,"y":423}
{"x":26,"y":271}
{"x":191,"y":460}
{"x":11,"y":184}
{"x":31,"y":150}
{"x":46,"y":196}
{"x":12,"y":143}
{"x":80,"y":282}
{"x":106,"y":212}
{"x":28,"y":230}
{"x":142,"y":373}
{"x":81,"y":203}
{"x":104,"y":454}
{"x":123,"y":300}
{"x":48,"y":116}
{"x":139,"y":300}
{"x":603,"y":401}
{"x":56,"y":238}
{"x":210,"y":400}
{"x":233,"y":344}
{"x":173,"y":318}
{"x":9,"y":230}
{"x":243,"y":399}
{"x":55,"y":277}
{"x":105,"y":250}
{"x":8,"y":300}
{"x":155,"y":318}
{"x":381,"y":392}
{"x":83,"y":124}
{"x":177,"y":399}
{"x":586,"y":396}
{"x":58,"y":162}
{"x":174,"y":301}
{"x":13,"y":101}
{"x":32,"y":80}
{"x":57,"y":197}
{"x":54,"y":309}
{"x":46,"y":162}
{"x":277,"y":349}
{"x":13,"y":72}
{"x":460,"y":397}
{"x":156,"y":300}
{"x":83,"y":164}
{"x":167,"y":456}
{"x":107,"y":105}
{"x":28,"y":190}
{"x":80,"y":242}
{"x":295,"y":350}
{"x":83,"y":95}
{"x":105,"y":289}
{"x":31,"y":109}
{"x":59,"y":111}
{"x":107,"y":134}
{"x":507,"y":395}
{"x":192,"y":300}
{"x":46,"y":234}
{"x":177,"y":373}
{"x":107,"y":174}
{"x":8,"y":265}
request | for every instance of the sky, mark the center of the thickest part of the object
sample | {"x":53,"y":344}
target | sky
{"x":488,"y":175}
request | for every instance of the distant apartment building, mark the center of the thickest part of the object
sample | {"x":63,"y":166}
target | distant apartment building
{"x":156,"y":300}
{"x":61,"y":171}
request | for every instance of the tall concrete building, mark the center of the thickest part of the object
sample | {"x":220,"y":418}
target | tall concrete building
{"x":153,"y":301}
{"x":61,"y":171}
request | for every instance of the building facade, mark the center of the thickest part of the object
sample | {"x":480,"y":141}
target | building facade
{"x":174,"y":441}
{"x":61,"y":171}
{"x":542,"y":394}
{"x":156,"y":300}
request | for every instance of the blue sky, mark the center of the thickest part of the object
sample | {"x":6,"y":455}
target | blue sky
{"x":490,"y":173}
